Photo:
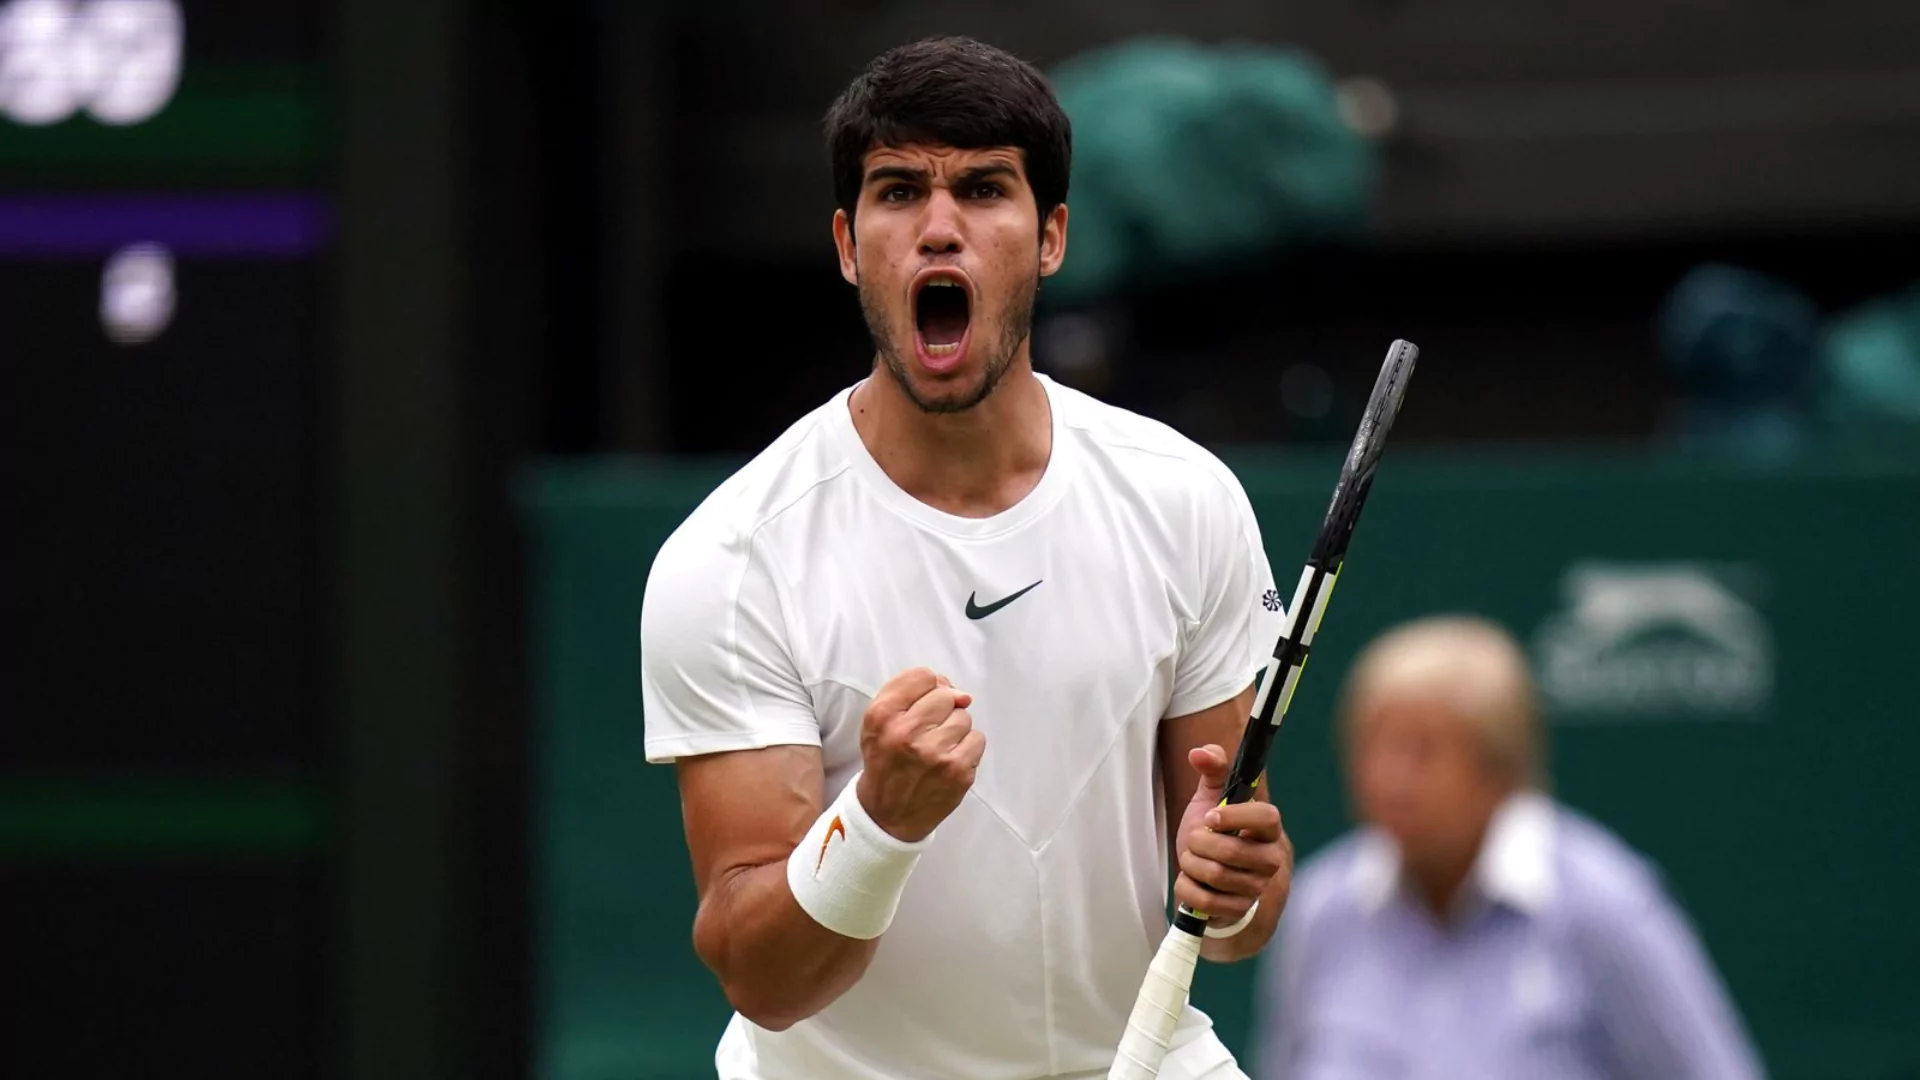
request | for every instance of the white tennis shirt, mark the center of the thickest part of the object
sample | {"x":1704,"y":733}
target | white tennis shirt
{"x":1139,"y":590}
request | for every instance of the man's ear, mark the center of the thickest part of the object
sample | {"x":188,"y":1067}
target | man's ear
{"x":1053,"y":241}
{"x":843,"y":243}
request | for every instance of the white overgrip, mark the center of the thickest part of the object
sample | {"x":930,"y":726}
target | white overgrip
{"x":1157,"y":1011}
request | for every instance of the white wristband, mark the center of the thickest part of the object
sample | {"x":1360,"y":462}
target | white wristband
{"x":1228,"y":931}
{"x":849,"y":872}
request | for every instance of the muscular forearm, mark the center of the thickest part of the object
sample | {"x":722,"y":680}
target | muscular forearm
{"x":1226,"y":853}
{"x":777,"y":964}
{"x":790,"y":911}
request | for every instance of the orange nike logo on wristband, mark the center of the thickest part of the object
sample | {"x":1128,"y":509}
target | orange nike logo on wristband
{"x":833,"y":826}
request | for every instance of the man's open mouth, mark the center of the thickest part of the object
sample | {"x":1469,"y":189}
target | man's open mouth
{"x":941,"y":311}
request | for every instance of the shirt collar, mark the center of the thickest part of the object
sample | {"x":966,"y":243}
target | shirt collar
{"x":1515,"y":864}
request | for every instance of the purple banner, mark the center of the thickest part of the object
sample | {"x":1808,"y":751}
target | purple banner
{"x":217,"y":226}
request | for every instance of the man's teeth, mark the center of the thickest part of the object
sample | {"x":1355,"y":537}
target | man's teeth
{"x":941,"y":283}
{"x":943,"y":350}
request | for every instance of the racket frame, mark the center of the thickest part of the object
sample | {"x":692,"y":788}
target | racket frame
{"x":1163,"y":994}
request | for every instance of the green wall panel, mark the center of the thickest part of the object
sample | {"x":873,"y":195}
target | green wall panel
{"x":1729,"y":689}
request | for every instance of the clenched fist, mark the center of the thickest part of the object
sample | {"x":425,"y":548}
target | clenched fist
{"x":920,"y":753}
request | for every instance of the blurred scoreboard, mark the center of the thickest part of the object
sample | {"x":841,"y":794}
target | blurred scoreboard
{"x":163,"y":228}
{"x":164,"y":231}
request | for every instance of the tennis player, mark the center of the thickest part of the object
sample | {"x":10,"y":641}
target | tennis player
{"x":947,"y":670}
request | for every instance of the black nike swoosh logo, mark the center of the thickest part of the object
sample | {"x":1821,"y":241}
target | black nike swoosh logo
{"x":975,"y":611}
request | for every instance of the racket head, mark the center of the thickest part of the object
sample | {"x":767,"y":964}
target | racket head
{"x":1363,"y":457}
{"x":1323,"y":565}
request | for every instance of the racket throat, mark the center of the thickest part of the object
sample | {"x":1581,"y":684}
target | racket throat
{"x":1189,"y":921}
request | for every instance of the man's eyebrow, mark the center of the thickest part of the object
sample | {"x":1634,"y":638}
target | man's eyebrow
{"x":992,"y":171}
{"x":909,"y":174}
{"x":896,"y":172}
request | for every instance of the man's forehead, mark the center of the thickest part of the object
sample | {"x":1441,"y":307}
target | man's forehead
{"x":939,"y":159}
{"x":1407,"y":708}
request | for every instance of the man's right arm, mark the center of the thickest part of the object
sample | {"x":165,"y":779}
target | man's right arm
{"x":1659,"y":998}
{"x":792,"y":895}
{"x":745,"y":814}
{"x":725,"y":702}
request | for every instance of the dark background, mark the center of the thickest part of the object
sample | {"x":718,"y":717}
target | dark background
{"x":264,"y":706}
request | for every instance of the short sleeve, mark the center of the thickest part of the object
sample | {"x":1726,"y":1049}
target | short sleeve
{"x":1239,"y":618}
{"x":716,"y":670}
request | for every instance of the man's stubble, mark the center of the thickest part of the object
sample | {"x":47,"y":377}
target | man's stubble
{"x":1015,"y":329}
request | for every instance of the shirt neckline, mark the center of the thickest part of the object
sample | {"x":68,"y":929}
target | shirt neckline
{"x":1514,"y":865}
{"x":1053,"y":481}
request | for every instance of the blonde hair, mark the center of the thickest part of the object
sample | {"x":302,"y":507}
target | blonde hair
{"x":1474,"y":667}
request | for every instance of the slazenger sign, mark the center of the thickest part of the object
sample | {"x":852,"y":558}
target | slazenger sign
{"x":1646,"y":640}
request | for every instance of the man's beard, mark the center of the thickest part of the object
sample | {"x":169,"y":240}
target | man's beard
{"x":1013,"y":331}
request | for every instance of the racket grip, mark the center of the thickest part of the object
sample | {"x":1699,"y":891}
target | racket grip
{"x":1157,"y":1011}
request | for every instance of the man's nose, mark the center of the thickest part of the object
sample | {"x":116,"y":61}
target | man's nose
{"x":942,"y":233}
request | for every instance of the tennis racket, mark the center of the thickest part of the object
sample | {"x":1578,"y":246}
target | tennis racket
{"x":1163,"y":994}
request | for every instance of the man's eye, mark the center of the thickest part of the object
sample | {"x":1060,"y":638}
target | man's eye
{"x":986,"y":191}
{"x":897,"y":193}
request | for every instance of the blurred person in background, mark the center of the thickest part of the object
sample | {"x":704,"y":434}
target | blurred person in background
{"x":1473,"y":927}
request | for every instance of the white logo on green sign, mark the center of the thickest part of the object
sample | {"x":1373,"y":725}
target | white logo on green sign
{"x":1653,"y":641}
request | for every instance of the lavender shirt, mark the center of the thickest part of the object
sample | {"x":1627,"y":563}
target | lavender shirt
{"x":1567,"y":961}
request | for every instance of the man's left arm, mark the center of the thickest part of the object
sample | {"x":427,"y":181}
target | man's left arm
{"x":1660,"y":1002}
{"x":1238,"y":853}
{"x":1228,"y":856}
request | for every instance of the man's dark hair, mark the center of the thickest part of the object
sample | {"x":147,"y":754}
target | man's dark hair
{"x":951,"y":91}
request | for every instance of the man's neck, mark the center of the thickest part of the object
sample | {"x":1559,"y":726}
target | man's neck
{"x":1437,"y":880}
{"x":1438,"y":877}
{"x":975,"y":463}
{"x":1439,"y":887}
